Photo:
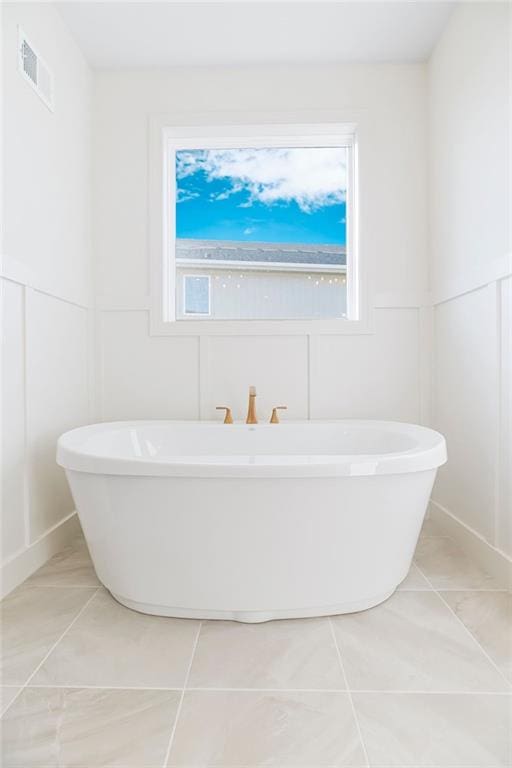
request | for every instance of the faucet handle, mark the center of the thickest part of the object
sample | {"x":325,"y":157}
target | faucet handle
{"x":228,"y":418}
{"x":274,"y":419}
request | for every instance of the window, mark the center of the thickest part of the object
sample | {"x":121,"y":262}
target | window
{"x":259,"y":224}
{"x":196,"y":295}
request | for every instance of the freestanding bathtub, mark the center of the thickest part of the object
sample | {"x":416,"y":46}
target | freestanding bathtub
{"x":215,"y":521}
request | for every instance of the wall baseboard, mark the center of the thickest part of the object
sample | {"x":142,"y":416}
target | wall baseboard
{"x":493,"y":560}
{"x":25,"y":563}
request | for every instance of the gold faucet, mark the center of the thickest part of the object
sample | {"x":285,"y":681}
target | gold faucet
{"x":251,"y":411}
{"x":274,"y":419}
{"x":228,"y":418}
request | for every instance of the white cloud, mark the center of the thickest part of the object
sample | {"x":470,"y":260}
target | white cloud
{"x":187,"y":162}
{"x":186,"y":194}
{"x":312,"y":176}
{"x":228,"y":192}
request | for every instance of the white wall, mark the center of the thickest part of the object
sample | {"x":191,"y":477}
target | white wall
{"x":46,"y":285}
{"x":471,"y":261}
{"x":459,"y":101}
{"x":376,"y":375}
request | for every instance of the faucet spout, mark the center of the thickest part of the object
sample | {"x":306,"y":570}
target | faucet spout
{"x":251,"y":411}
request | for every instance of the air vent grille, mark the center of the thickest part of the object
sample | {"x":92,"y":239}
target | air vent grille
{"x":34,"y":70}
{"x":29,"y":61}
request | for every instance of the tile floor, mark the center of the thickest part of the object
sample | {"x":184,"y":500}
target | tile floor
{"x":421,"y":681}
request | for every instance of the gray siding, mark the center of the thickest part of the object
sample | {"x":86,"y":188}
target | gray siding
{"x":261,"y":294}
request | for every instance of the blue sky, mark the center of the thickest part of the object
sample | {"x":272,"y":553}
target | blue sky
{"x":271,"y":195}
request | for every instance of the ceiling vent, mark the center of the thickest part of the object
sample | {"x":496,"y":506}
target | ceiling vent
{"x":34,"y":70}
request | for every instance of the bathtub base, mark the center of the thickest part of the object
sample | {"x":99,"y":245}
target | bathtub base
{"x":254,"y":617}
{"x":251,"y":550}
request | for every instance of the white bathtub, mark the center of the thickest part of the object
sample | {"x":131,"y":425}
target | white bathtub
{"x":206,"y":520}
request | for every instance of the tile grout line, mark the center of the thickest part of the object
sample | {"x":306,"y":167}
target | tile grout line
{"x":384,"y":691}
{"x":53,"y":647}
{"x":180,"y":703}
{"x":349,"y":693}
{"x":399,"y":691}
{"x":451,"y":589}
{"x":470,"y":634}
{"x":58,"y":586}
{"x":399,"y":588}
{"x":61,"y":637}
{"x":294,"y":765}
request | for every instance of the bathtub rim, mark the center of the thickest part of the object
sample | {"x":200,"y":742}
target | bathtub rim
{"x":429,"y":453}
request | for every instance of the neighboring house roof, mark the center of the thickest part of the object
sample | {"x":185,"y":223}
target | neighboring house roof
{"x":282,"y":253}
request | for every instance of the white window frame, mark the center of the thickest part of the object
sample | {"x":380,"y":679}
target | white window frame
{"x":197,"y":315}
{"x":165,"y":140}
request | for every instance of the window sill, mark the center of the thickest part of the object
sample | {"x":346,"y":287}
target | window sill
{"x":197,"y":327}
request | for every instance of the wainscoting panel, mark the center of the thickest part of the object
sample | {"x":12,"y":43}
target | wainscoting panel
{"x":504,"y":516}
{"x":142,"y":376}
{"x":57,"y":400}
{"x":464,"y":406}
{"x":369,"y":377}
{"x":13,"y":421}
{"x":276,"y":365}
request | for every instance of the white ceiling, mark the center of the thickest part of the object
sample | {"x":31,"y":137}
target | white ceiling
{"x":166,"y":34}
